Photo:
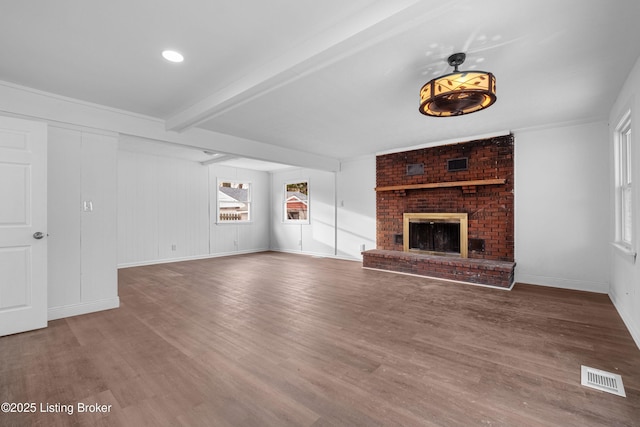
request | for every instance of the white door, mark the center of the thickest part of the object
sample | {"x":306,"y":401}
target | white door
{"x":23,"y":225}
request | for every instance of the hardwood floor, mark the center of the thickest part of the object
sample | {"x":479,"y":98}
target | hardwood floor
{"x":275,"y":339}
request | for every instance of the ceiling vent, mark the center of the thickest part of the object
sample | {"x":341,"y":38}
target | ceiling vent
{"x":602,"y":380}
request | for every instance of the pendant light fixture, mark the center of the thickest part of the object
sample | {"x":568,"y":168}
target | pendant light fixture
{"x":457,"y":93}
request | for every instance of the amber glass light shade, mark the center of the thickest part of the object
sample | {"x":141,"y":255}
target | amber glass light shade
{"x":458,"y":93}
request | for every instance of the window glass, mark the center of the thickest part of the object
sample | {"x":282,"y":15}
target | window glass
{"x":296,"y":202}
{"x":624,"y":209}
{"x":234,"y":201}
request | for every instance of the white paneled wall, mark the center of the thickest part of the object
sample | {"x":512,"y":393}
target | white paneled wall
{"x":167,"y":208}
{"x":246,"y":237}
{"x":98,"y":225}
{"x":183,"y":216}
{"x":356,"y":207}
{"x":166,"y":203}
{"x":82,"y":272}
{"x":163,"y":209}
{"x":64,"y":216}
{"x":319,"y":236}
{"x":342,"y":211}
{"x":561,"y":207}
{"x":625,"y":268}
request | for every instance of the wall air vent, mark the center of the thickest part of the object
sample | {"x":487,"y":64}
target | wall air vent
{"x":415,"y":169}
{"x":459,"y":164}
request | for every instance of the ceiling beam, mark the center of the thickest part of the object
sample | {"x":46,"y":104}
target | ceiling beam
{"x":250,"y":149}
{"x":30,"y":103}
{"x":217,"y":158}
{"x":367,"y":28}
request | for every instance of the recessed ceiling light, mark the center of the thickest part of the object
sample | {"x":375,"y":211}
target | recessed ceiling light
{"x":172,"y":55}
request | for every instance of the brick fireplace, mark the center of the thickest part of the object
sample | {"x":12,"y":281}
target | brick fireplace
{"x":447,"y":212}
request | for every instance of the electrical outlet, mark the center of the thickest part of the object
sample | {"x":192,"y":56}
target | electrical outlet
{"x":362,"y":247}
{"x":173,"y":247}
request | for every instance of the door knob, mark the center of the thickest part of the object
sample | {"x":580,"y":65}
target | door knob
{"x":38,"y":235}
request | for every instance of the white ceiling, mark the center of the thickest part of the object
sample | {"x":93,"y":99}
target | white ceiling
{"x":334,"y":78}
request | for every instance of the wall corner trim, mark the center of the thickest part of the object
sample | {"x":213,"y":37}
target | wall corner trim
{"x":626,"y":318}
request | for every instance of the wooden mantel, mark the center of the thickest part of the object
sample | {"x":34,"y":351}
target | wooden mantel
{"x":495,"y":181}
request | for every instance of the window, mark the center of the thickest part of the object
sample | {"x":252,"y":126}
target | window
{"x":234,"y":201}
{"x":624,"y":212}
{"x":296,"y":202}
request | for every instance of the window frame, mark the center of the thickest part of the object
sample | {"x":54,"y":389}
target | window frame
{"x":623,"y":183}
{"x":285,"y":216}
{"x":248,"y":202}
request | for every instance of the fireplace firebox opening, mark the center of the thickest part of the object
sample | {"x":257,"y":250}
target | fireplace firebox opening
{"x":436,"y":233}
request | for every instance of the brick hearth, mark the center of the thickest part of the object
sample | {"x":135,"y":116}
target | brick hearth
{"x":478,"y":271}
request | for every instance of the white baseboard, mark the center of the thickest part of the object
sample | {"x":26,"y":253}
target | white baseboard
{"x":188,"y":258}
{"x":61,"y":312}
{"x":223,"y":254}
{"x":633,"y":329}
{"x":555,"y":282}
{"x":316,"y":254}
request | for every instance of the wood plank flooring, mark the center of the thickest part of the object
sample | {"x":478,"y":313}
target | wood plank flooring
{"x":275,"y":339}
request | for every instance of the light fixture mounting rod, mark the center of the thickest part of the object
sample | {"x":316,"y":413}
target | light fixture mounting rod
{"x":456,"y":59}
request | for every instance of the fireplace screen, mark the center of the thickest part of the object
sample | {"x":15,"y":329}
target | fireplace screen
{"x":434,"y":236}
{"x":436,"y":233}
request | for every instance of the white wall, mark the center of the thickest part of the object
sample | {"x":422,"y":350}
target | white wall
{"x":342,"y":211}
{"x":625,"y":269}
{"x":166,"y":210}
{"x":561,"y":207}
{"x":163,"y":203}
{"x":64,"y":175}
{"x":356,"y":206}
{"x":166,"y":201}
{"x":82,"y":275}
{"x":227,"y":239}
{"x":319,"y":236}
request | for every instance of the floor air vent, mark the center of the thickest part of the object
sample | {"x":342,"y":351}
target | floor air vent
{"x":602,"y":380}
